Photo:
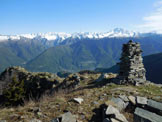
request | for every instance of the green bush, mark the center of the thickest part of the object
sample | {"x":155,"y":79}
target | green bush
{"x":14,"y":93}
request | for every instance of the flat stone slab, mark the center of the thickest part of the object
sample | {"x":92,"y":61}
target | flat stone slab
{"x":118,"y":116}
{"x":155,"y":105}
{"x":125,"y":98}
{"x":111,"y":110}
{"x":121,"y":105}
{"x":142,"y":115}
{"x":141,"y":100}
{"x":68,"y":117}
{"x":132,"y":99}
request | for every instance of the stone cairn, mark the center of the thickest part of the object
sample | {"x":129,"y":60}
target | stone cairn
{"x":132,"y":70}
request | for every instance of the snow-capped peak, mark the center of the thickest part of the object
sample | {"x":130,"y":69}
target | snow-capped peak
{"x":52,"y":36}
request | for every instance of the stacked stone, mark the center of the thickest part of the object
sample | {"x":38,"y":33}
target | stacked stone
{"x":132,"y":70}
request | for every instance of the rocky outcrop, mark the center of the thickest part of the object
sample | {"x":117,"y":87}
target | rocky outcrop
{"x":69,"y":83}
{"x":35,"y":83}
{"x":132,"y":70}
{"x":106,"y":76}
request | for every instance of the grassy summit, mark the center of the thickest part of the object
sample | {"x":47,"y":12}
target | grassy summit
{"x":93,"y":93}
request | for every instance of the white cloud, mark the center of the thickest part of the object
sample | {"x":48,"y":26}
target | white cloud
{"x":158,"y":3}
{"x":153,"y":22}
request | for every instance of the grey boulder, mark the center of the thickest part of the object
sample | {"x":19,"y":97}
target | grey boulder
{"x":141,"y":100}
{"x":68,"y":117}
{"x":121,"y":105}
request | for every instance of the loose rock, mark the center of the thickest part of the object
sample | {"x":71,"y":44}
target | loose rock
{"x":121,"y":105}
{"x":142,"y":115}
{"x":141,"y":100}
{"x":35,"y":120}
{"x":68,"y":117}
{"x":78,"y":100}
{"x":111,"y":110}
{"x":132,"y":100}
{"x":125,"y":98}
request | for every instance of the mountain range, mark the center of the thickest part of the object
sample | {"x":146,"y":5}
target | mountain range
{"x":57,"y":38}
{"x":54,"y":52}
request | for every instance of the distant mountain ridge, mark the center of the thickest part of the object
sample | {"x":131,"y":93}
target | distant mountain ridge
{"x":51,"y":39}
{"x":89,"y":54}
{"x":95,"y":49}
{"x":117,"y":32}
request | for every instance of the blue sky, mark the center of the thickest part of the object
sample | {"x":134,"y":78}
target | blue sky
{"x":34,"y":16}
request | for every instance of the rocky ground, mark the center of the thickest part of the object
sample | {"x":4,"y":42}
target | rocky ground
{"x":91,"y":99}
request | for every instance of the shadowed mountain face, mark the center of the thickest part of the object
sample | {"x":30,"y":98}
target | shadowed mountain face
{"x":152,"y":64}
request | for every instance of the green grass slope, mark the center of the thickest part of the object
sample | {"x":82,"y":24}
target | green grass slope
{"x":89,"y":54}
{"x":8,"y":58}
{"x":79,"y":56}
{"x":14,"y":53}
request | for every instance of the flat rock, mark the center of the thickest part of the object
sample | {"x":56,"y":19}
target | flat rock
{"x":132,"y":99}
{"x":121,"y":118}
{"x":111,"y":110}
{"x":35,"y":120}
{"x":78,"y":100}
{"x":3,"y":121}
{"x":125,"y":98}
{"x":121,"y":105}
{"x":142,"y":115}
{"x":68,"y":117}
{"x":154,"y":104}
{"x":141,"y":100}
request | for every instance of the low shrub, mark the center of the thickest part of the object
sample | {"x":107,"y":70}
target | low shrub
{"x":14,"y":93}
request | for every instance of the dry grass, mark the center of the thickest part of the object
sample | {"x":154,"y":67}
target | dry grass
{"x":54,"y":105}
